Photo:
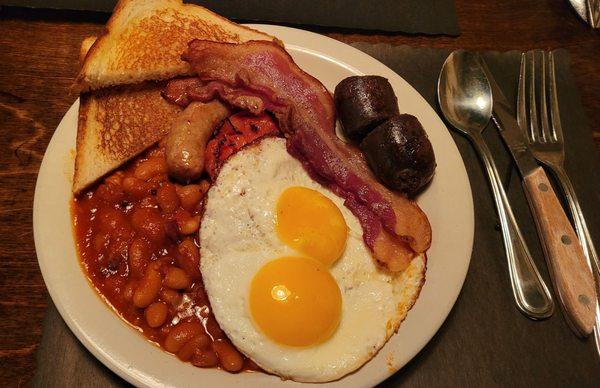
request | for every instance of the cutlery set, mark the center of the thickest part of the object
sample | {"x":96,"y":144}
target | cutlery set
{"x":469,"y":98}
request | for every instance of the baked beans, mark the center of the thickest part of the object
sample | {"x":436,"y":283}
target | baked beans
{"x":137,"y":240}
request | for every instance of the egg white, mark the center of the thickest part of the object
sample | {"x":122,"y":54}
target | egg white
{"x":238,"y":237}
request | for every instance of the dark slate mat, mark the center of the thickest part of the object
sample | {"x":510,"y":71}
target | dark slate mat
{"x":430,"y":17}
{"x":485,"y":341}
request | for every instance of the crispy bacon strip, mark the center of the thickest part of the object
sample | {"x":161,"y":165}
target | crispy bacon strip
{"x":259,"y":76}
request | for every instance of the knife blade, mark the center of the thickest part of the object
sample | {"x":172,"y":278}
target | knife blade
{"x":504,"y":118}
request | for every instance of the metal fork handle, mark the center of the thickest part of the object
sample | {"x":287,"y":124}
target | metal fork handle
{"x":593,"y":13}
{"x":596,"y":332}
{"x":529,"y":290}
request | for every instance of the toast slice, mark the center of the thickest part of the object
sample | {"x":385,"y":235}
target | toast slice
{"x":144,"y":40}
{"x":117,"y":124}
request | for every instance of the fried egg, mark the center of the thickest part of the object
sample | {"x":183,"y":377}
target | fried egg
{"x":287,"y":273}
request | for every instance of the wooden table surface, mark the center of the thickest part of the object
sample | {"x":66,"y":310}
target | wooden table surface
{"x":38,"y":62}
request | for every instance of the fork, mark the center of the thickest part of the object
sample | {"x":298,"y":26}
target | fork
{"x":593,"y":10}
{"x":545,"y":136}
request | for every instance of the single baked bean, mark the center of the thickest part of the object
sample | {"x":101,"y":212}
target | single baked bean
{"x":139,"y":254}
{"x":148,"y":222}
{"x":188,"y":258}
{"x":136,"y":188}
{"x":162,"y":264}
{"x":156,"y":314}
{"x":129,"y":290}
{"x":188,"y":247}
{"x":158,"y":180}
{"x":110,"y":220}
{"x":170,"y":296}
{"x":167,"y":198}
{"x":201,"y":341}
{"x":190,"y":196}
{"x":148,"y":288}
{"x":115,"y":223}
{"x":205,"y":358}
{"x":115,"y":178}
{"x":177,"y":279}
{"x":189,"y":225}
{"x":231,"y":359}
{"x":110,"y":192}
{"x":150,"y":168}
{"x":181,"y":334}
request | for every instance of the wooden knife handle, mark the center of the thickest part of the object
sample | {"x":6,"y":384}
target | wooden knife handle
{"x":572,"y":278}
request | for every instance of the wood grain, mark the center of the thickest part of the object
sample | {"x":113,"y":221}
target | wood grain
{"x":571,"y":276}
{"x":38,"y":62}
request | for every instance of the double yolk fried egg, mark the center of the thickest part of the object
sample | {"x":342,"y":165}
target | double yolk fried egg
{"x":288,"y":275}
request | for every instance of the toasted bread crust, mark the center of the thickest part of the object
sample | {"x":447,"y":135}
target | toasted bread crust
{"x":144,"y":40}
{"x":117,"y":124}
{"x":86,"y":44}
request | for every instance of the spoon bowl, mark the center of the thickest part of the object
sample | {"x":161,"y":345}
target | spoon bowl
{"x":464,"y":93}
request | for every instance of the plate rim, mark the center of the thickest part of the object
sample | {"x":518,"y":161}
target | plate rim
{"x":139,"y":378}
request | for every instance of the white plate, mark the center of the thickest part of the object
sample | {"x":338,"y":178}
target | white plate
{"x":447,"y":202}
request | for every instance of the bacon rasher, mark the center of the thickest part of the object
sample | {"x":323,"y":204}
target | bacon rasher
{"x":258,"y":76}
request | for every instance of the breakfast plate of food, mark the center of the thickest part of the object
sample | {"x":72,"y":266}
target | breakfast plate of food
{"x":248,"y":204}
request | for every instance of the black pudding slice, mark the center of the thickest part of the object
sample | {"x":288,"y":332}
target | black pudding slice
{"x":362,"y":103}
{"x":400,"y":154}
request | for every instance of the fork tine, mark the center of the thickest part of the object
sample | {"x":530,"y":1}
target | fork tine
{"x":522,"y":99}
{"x":593,"y":14}
{"x":533,"y":120}
{"x":546,"y":136}
{"x":556,"y":126}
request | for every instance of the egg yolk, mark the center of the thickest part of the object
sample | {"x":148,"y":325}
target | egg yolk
{"x":295,"y":301}
{"x":312,"y":224}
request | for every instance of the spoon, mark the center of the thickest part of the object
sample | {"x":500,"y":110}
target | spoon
{"x":465,"y":97}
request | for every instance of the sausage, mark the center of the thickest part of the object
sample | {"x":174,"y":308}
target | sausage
{"x":186,"y":141}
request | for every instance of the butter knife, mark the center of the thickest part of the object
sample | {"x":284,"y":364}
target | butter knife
{"x":571,"y":276}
